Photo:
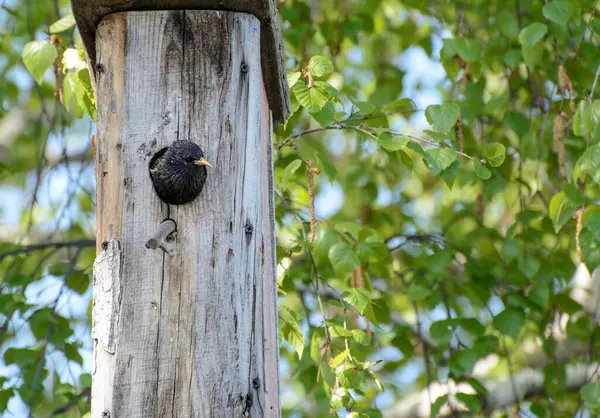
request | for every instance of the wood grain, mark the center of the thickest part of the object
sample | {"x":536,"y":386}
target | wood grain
{"x":197,"y":332}
{"x":89,"y":13}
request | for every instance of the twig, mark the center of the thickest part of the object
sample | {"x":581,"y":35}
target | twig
{"x":314,"y":273}
{"x":594,"y":83}
{"x":420,"y":335}
{"x":56,"y":245}
{"x":342,"y":126}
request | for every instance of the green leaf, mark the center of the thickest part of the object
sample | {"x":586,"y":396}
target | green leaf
{"x":85,"y":380}
{"x":290,"y":330}
{"x":561,"y":210}
{"x":329,"y":169}
{"x":437,"y":136}
{"x":440,"y":159}
{"x":417,"y":292}
{"x":378,"y":384}
{"x":532,"y":55}
{"x":438,"y":404}
{"x":343,"y":258}
{"x":38,"y":57}
{"x":320,"y":66}
{"x":482,"y":171}
{"x":442,"y":117}
{"x":511,"y":249}
{"x":61,"y":25}
{"x":471,"y":401}
{"x":495,"y":154}
{"x":392,"y":143}
{"x":400,"y":105}
{"x":373,"y":249}
{"x":559,"y":11}
{"x":462,"y":362}
{"x":324,"y":243}
{"x":360,"y":337}
{"x":293,"y":77}
{"x":359,"y":298}
{"x":289,"y":171}
{"x":468,"y":49}
{"x":72,"y":353}
{"x":339,"y":398}
{"x":449,"y":175}
{"x":591,"y":116}
{"x":325,"y":116}
{"x":357,"y":335}
{"x":5,"y":396}
{"x":472,"y":326}
{"x":529,"y":267}
{"x":326,"y":88}
{"x":580,"y":128}
{"x":539,"y":410}
{"x":442,"y":331}
{"x":63,"y":389}
{"x":573,"y":194}
{"x":592,"y":222}
{"x":312,"y":99}
{"x":588,"y":163}
{"x":78,"y":282}
{"x":509,"y":322}
{"x":437,"y":262}
{"x":78,"y":93}
{"x":590,"y":394}
{"x":339,"y":359}
{"x":532,"y":34}
{"x":365,"y":107}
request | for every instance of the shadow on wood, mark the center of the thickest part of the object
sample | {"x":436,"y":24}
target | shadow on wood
{"x":89,"y":13}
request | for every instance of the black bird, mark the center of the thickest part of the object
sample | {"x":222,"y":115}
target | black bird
{"x":178,"y":172}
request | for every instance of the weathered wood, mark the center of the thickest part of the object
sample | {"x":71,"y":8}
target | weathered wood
{"x":89,"y":13}
{"x":197,"y":331}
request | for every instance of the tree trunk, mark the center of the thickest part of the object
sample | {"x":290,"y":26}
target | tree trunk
{"x":185,"y":325}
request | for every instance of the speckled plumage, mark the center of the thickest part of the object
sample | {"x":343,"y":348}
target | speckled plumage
{"x":178,"y":172}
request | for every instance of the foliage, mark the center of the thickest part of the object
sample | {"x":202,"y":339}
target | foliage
{"x":451,"y":210}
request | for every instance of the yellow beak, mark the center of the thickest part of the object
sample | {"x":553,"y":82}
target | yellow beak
{"x":202,"y":161}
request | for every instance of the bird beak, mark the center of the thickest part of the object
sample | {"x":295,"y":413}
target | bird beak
{"x":202,"y":161}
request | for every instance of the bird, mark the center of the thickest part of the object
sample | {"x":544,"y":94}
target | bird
{"x":178,"y":172}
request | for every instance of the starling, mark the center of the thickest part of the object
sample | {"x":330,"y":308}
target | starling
{"x":178,"y":172}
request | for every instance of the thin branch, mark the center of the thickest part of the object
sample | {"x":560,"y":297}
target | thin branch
{"x":420,"y":334}
{"x":342,"y":126}
{"x":594,"y":83}
{"x":529,"y":382}
{"x":313,"y":266}
{"x":42,"y":246}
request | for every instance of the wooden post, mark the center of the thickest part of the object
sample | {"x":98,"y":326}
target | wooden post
{"x":184,"y":317}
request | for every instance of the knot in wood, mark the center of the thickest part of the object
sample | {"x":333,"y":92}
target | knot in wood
{"x":248,"y":228}
{"x":256,"y":383}
{"x":99,"y":68}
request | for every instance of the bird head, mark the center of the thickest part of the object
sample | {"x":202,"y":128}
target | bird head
{"x":186,"y":156}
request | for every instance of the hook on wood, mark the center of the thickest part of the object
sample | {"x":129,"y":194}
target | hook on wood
{"x":164,"y":238}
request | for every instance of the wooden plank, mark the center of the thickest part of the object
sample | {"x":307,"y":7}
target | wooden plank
{"x":197,"y":330}
{"x":89,"y":13}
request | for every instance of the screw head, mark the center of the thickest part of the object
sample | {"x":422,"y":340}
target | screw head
{"x":244,"y":67}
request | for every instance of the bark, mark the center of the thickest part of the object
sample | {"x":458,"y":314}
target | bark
{"x":190,"y":327}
